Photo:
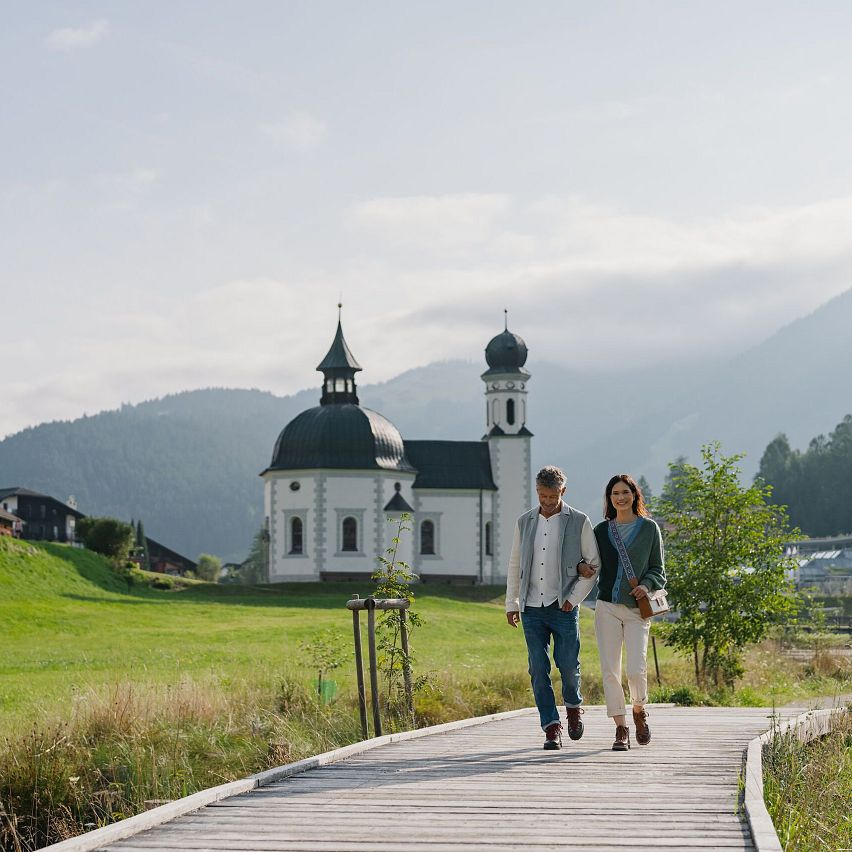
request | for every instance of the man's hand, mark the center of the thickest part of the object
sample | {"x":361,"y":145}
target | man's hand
{"x":639,"y":592}
{"x":567,"y":606}
{"x":586,"y":570}
{"x":513,"y":618}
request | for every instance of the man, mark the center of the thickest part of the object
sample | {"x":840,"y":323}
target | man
{"x":551,"y":570}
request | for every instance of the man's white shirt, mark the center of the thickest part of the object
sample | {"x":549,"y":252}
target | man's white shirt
{"x":544,"y":582}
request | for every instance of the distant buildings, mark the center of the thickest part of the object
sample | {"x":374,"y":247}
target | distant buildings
{"x":39,"y":517}
{"x":824,"y":563}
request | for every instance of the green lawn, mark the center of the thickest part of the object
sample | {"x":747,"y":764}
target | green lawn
{"x":69,"y":625}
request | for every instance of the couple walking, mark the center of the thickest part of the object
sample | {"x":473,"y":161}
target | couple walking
{"x":556,"y":558}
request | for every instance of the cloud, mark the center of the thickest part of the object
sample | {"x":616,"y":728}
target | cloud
{"x":434,"y":222}
{"x":77,"y":38}
{"x":587,"y":285}
{"x":299,"y":130}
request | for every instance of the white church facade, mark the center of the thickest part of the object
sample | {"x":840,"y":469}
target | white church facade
{"x":339,"y":471}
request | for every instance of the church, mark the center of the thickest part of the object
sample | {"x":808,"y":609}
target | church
{"x":341,"y":474}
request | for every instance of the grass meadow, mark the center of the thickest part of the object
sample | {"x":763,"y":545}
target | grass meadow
{"x":114,"y":695}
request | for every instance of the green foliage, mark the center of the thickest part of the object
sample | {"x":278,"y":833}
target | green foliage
{"x":142,"y":547}
{"x":107,"y":536}
{"x":324,"y":652}
{"x":255,"y":569}
{"x":393,"y":580}
{"x":808,"y":786}
{"x":725,"y":563}
{"x":208,"y":568}
{"x":815,"y":485}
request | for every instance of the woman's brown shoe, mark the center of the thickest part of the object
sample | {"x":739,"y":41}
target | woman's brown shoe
{"x":643,"y":732}
{"x":622,"y":738}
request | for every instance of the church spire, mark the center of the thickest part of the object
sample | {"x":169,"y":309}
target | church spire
{"x":339,"y":367}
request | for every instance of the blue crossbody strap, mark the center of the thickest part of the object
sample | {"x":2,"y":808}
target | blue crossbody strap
{"x":622,"y":552}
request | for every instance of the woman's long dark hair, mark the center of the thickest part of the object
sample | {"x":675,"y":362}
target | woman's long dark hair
{"x":639,"y":507}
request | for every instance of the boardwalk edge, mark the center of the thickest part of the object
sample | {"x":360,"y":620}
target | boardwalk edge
{"x":808,"y":726}
{"x":100,"y":837}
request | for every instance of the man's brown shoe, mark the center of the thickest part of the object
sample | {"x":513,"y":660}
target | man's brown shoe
{"x":622,"y":738}
{"x":575,"y":723}
{"x":553,"y":737}
{"x":643,"y":732}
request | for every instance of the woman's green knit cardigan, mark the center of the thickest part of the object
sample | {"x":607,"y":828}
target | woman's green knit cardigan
{"x":646,"y":557}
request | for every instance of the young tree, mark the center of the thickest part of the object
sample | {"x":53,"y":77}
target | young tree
{"x":107,"y":536}
{"x":208,"y":568}
{"x":256,"y":568}
{"x":393,"y":579}
{"x":645,"y":488}
{"x":142,"y":546}
{"x":725,"y":563}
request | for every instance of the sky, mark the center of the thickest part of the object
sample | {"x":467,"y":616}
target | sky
{"x":188,"y":189}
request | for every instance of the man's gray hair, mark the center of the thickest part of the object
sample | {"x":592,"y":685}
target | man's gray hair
{"x":551,"y":477}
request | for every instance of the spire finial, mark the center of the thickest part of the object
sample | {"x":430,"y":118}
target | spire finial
{"x":339,"y":310}
{"x":506,"y":319}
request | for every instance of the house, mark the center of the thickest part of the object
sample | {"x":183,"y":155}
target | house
{"x":45,"y":518}
{"x":10,"y":524}
{"x":167,"y":561}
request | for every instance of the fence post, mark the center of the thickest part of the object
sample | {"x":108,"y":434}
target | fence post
{"x":406,"y":666}
{"x":370,"y":604}
{"x":656,"y":662}
{"x":359,"y":670}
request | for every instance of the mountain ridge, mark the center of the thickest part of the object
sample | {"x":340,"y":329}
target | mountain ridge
{"x":187,"y":464}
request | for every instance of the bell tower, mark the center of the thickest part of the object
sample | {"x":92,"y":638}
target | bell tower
{"x":508,"y":438}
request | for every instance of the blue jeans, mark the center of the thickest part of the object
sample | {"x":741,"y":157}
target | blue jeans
{"x":540,"y":623}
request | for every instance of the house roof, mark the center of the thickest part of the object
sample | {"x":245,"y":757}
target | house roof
{"x":17,"y":491}
{"x":156,"y":549}
{"x":451,"y":464}
{"x":8,"y":516}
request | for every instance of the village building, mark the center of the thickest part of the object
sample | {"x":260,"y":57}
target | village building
{"x":341,"y":475}
{"x":45,"y":518}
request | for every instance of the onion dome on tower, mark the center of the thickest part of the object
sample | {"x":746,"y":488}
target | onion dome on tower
{"x":506,"y":353}
{"x":339,"y":433}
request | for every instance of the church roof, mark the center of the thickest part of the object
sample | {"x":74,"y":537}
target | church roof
{"x":342,"y":436}
{"x":339,"y":356}
{"x":451,"y":464}
{"x":397,"y":503}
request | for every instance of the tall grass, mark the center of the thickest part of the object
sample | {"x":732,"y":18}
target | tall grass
{"x":808,"y":788}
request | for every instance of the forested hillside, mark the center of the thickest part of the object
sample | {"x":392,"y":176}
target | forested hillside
{"x":814,"y":484}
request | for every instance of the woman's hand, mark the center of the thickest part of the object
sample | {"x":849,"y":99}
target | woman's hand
{"x":639,"y":592}
{"x":586,"y":570}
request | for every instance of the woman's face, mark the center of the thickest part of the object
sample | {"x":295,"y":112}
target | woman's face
{"x":621,"y":496}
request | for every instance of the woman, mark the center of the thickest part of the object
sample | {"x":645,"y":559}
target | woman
{"x":617,"y":618}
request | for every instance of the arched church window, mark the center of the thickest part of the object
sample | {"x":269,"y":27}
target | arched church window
{"x":350,"y":534}
{"x":349,"y":386}
{"x":510,"y":412}
{"x":329,"y":385}
{"x":340,"y":385}
{"x":427,"y":538}
{"x":488,"y":546}
{"x":297,"y":538}
{"x":488,"y":414}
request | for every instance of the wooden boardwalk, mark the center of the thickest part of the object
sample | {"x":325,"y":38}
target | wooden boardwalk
{"x":492,"y":787}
